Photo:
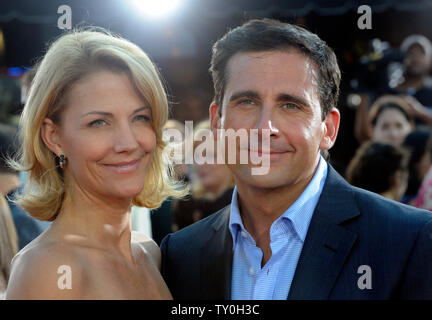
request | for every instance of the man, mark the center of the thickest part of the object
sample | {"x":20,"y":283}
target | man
{"x":300,"y":231}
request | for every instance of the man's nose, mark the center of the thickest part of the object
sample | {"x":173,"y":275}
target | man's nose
{"x":267,"y":121}
{"x":125,"y":139}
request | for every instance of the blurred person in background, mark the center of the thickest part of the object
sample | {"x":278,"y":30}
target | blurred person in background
{"x":415,"y":82}
{"x":211,"y":185}
{"x":419,"y":143}
{"x":390,"y":120}
{"x":162,"y":218}
{"x":381,"y":168}
{"x":91,"y":140}
{"x":8,"y":244}
{"x":28,"y":228}
{"x":26,"y":82}
{"x":181,"y":169}
{"x":414,"y":86}
{"x":423,"y":199}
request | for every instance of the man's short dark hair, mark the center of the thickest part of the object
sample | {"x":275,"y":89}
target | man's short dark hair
{"x":272,"y":35}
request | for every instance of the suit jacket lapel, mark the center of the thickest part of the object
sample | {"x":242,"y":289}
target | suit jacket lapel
{"x":327,"y":243}
{"x":216,"y":260}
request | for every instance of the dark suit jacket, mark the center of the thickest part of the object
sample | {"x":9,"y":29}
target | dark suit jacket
{"x":350,"y":227}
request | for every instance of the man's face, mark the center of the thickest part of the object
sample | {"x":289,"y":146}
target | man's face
{"x":277,"y":90}
{"x":416,"y":61}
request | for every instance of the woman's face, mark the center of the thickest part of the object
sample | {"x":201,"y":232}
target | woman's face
{"x":391,"y":127}
{"x":107,"y":136}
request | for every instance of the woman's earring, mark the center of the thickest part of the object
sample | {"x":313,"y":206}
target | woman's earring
{"x":62,"y":161}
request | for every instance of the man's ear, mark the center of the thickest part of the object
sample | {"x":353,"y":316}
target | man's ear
{"x":331,"y":128}
{"x":215,"y":118}
{"x":50,"y":136}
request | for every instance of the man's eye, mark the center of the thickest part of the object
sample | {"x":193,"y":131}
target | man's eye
{"x":290,"y":105}
{"x":97,"y":123}
{"x":245,"y":102}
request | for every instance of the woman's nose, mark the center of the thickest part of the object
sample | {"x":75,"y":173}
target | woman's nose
{"x":125,"y":140}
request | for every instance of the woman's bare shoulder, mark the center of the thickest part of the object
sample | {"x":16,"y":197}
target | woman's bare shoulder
{"x":46,"y":270}
{"x":150,"y":247}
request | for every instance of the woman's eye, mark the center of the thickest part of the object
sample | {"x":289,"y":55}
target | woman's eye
{"x":97,"y":123}
{"x":142,"y":117}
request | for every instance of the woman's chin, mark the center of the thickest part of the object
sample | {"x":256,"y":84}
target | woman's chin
{"x":125,"y":193}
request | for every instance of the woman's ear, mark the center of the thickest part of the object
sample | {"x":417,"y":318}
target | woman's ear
{"x":50,"y":136}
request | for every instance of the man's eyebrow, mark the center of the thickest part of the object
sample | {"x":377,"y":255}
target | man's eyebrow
{"x":292,"y":98}
{"x":242,"y":94}
{"x":109,"y":114}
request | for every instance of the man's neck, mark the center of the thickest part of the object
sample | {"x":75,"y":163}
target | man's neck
{"x":413,"y":82}
{"x":260,"y":207}
{"x":9,"y":182}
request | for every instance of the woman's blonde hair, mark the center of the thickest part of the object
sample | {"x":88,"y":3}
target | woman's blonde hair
{"x":68,"y":59}
{"x":8,"y":240}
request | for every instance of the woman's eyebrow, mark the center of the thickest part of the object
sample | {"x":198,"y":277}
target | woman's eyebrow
{"x":109,"y":114}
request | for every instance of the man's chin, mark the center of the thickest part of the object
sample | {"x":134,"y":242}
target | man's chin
{"x":270,"y":180}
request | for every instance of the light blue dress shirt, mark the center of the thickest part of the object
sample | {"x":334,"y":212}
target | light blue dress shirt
{"x":287,"y":235}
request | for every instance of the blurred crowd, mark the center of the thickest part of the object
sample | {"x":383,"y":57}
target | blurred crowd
{"x":392,"y":125}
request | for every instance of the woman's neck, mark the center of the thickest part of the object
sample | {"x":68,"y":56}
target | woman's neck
{"x":88,"y":220}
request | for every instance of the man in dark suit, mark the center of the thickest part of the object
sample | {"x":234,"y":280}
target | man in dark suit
{"x":300,"y":231}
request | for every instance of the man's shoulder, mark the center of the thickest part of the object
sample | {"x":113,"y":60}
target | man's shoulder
{"x":372,"y":206}
{"x":378,"y":208}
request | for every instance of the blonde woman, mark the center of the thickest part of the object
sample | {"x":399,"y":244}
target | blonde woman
{"x":92,"y":144}
{"x":8,"y":244}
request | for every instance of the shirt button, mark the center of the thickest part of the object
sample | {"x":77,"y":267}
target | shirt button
{"x":244,"y":235}
{"x":251,"y":271}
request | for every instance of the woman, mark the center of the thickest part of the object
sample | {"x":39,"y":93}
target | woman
{"x":419,"y":143}
{"x":8,"y":244}
{"x":381,"y":168}
{"x":391,"y":120}
{"x":92,"y":144}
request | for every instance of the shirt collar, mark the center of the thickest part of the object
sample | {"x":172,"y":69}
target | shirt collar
{"x":299,"y":218}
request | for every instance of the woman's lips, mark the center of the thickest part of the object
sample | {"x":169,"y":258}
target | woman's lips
{"x":124,"y":167}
